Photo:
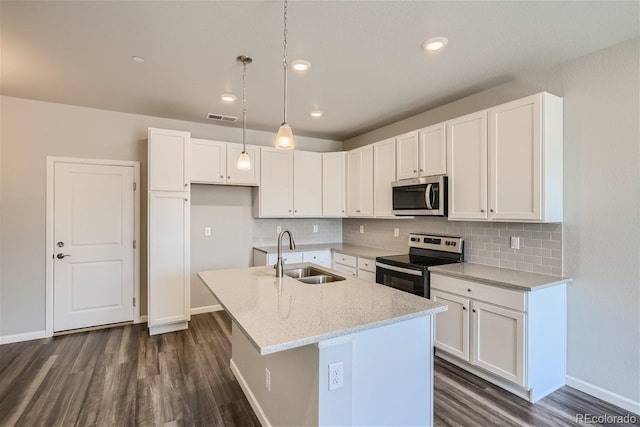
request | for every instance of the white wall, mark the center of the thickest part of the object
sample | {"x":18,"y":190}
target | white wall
{"x":31,"y":131}
{"x":602,"y":208}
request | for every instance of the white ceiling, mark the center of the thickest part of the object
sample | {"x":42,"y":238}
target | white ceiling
{"x":367,"y":70}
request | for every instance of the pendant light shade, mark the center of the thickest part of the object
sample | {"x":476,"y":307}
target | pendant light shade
{"x":284,"y":138}
{"x":244,"y":161}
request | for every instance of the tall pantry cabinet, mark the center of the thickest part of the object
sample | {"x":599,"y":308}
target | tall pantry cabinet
{"x":168,"y":235}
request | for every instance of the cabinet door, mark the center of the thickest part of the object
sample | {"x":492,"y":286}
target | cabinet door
{"x":322,"y":258}
{"x":498,"y":341}
{"x":307,"y":184}
{"x":384,"y":168}
{"x":237,"y":176}
{"x":276,"y":183}
{"x":333,"y":184}
{"x":407,"y":159}
{"x":432,"y":150}
{"x":467,"y":166}
{"x":515,"y":160}
{"x":169,"y":266}
{"x":452,"y":326}
{"x":366,"y":179}
{"x":208,"y":161}
{"x":287,"y":258}
{"x":168,"y":160}
{"x":354,"y":184}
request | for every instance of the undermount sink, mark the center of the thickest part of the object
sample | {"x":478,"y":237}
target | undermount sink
{"x":312,"y":276}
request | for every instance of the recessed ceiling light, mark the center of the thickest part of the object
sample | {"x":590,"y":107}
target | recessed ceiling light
{"x":435,"y":44}
{"x":316,"y":113}
{"x":300,"y":65}
{"x":228,"y":97}
{"x":138,"y":59}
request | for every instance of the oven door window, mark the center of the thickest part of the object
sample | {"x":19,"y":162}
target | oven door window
{"x":401,"y":281}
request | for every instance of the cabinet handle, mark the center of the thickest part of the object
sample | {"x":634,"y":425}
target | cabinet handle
{"x":342,"y":210}
{"x":186,"y":185}
{"x":228,"y":177}
{"x":464,"y":308}
{"x":482,"y":210}
{"x":414,"y":171}
{"x":289,"y":210}
{"x":221,"y":176}
{"x":295,"y":211}
{"x":421,"y":170}
{"x":491,"y":210}
{"x":469,"y":290}
{"x":357,"y":210}
{"x":474,"y":310}
{"x":186,"y":200}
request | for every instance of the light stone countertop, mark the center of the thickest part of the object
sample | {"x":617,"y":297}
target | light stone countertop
{"x":503,"y":277}
{"x":280,"y":314}
{"x":345,"y":248}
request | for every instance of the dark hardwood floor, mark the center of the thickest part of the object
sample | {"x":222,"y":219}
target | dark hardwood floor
{"x":122,"y":377}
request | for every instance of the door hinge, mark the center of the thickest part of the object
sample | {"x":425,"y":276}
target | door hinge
{"x":134,"y":244}
{"x":134,"y":302}
{"x":135,"y":186}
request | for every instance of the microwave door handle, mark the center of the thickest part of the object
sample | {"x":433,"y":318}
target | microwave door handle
{"x":427,"y":196}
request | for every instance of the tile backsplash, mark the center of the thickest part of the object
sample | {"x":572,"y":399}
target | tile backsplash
{"x":485,"y":242}
{"x":329,"y":230}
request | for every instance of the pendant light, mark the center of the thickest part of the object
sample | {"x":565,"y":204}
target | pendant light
{"x":244,"y":162}
{"x":284,"y":138}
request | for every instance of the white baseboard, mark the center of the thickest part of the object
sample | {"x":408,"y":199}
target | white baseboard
{"x":264,"y":421}
{"x":206,"y":309}
{"x":35,"y":335}
{"x":606,"y":395}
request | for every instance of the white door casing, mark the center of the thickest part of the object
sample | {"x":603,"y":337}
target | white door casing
{"x":92,"y":222}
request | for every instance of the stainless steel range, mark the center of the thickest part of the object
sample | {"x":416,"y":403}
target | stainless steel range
{"x":410,"y":272}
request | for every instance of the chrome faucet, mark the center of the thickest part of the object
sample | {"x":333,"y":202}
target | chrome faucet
{"x":280,"y":263}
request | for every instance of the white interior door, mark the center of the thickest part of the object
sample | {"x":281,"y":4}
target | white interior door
{"x":93,"y":273}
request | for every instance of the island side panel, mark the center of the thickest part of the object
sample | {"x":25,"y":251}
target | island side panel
{"x":393,"y":374}
{"x":293,"y":399}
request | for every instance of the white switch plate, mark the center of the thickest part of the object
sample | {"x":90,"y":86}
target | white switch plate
{"x":396,"y":232}
{"x":362,"y":229}
{"x":515,"y":242}
{"x":207,"y":231}
{"x":336,"y":375}
{"x":315,"y":228}
{"x":279,"y":229}
{"x":267,"y":379}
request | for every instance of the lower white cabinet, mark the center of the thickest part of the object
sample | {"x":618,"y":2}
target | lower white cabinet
{"x":321,"y":257}
{"x":287,"y":258}
{"x":513,"y":338}
{"x":346,"y":264}
{"x":367,"y":269}
{"x":169,"y":266}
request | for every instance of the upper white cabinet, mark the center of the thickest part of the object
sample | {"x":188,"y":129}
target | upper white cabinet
{"x":467,"y":156}
{"x":168,"y":160}
{"x":384,"y":169}
{"x":505,"y":163}
{"x":422,"y":152}
{"x":360,"y":181}
{"x":334,"y":177}
{"x":216,"y":162}
{"x":307,"y":184}
{"x":290,"y":184}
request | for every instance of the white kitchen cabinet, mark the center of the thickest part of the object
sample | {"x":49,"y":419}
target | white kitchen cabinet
{"x":422,"y":152}
{"x":505,"y":163}
{"x":525,"y":159}
{"x":467,"y":166}
{"x":513,"y":338}
{"x":237,"y":176}
{"x":367,"y":269}
{"x":168,"y":155}
{"x":287,"y":257}
{"x":276,"y":183}
{"x":208,"y":161}
{"x":360,"y":182}
{"x":346,"y":264}
{"x":307,"y":184}
{"x":334,"y":177}
{"x":384,"y":173}
{"x":322,"y":257}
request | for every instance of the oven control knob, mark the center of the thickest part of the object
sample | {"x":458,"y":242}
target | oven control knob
{"x":453,"y":243}
{"x":447,"y":243}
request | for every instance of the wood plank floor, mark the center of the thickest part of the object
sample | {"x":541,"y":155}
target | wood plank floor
{"x":123,"y":377}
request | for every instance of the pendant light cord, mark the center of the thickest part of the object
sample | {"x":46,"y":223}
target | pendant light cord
{"x":284,"y":63}
{"x":244,"y":104}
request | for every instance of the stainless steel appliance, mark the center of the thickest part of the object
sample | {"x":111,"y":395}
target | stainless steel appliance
{"x":420,"y":196}
{"x":410,"y":272}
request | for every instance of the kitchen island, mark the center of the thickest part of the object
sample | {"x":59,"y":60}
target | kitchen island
{"x":342,"y":353}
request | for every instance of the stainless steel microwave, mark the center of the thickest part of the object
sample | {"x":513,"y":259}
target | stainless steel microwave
{"x":420,"y":196}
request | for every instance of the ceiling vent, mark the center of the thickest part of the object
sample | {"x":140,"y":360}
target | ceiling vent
{"x":222,"y":118}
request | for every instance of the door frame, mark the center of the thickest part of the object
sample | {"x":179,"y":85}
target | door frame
{"x":49,"y":245}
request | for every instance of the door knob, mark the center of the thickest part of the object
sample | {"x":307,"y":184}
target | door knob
{"x":60,"y":256}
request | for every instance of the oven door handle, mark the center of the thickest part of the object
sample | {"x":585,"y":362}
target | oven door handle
{"x":399,"y":269}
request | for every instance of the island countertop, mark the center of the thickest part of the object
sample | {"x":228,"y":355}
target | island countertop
{"x":277,"y":314}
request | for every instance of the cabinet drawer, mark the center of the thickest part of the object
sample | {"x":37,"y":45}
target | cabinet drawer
{"x":345,"y":269}
{"x":366,"y":275}
{"x":367,"y":264}
{"x":349,"y":260}
{"x":288,"y":258}
{"x":514,"y":299}
{"x":322,"y":258}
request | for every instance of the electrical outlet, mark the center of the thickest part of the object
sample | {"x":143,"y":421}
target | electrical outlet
{"x":515,"y":242}
{"x":336,"y":375}
{"x":207,"y":231}
{"x":315,"y":228}
{"x":278,"y":229}
{"x":396,"y":232}
{"x":267,"y":379}
{"x":362,"y":229}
